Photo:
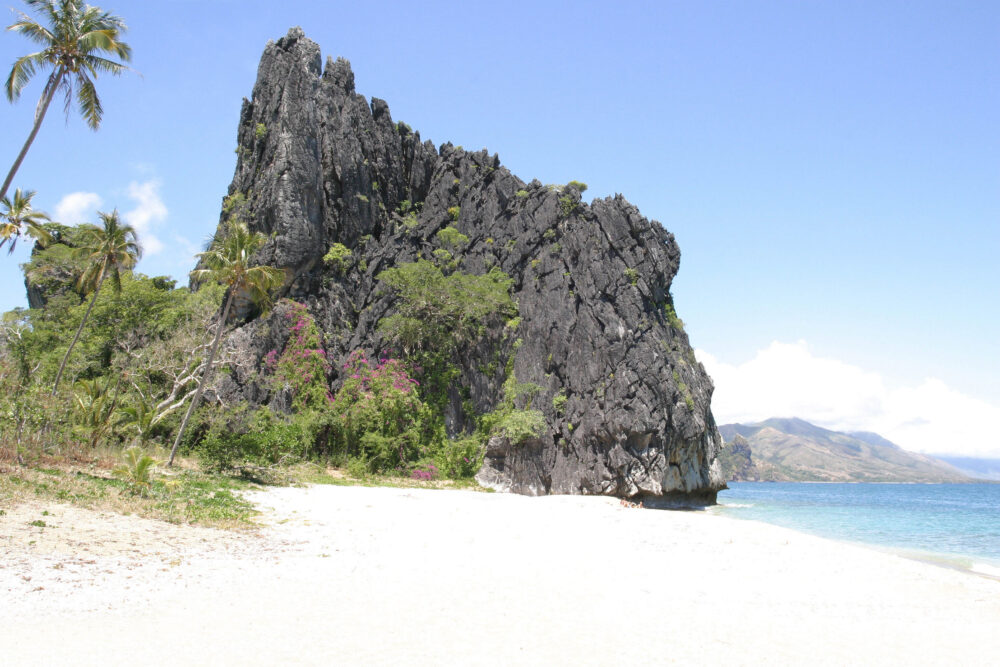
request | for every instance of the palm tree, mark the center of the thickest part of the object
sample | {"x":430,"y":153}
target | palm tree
{"x":227,"y":261}
{"x":17,"y":218}
{"x":108,"y":251}
{"x":74,"y":39}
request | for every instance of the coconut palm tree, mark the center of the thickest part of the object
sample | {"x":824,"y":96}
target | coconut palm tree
{"x":17,"y":218}
{"x":227,"y":261}
{"x":108,"y":251}
{"x":75,"y":38}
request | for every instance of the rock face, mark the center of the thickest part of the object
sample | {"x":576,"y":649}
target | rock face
{"x":737,"y":461}
{"x":320,"y":165}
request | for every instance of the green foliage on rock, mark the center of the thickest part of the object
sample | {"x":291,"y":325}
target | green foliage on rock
{"x":452,"y":238}
{"x":302,"y":366}
{"x":442,"y":312}
{"x":337,"y":257}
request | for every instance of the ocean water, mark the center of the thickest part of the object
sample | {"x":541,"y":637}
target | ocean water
{"x":953,"y":524}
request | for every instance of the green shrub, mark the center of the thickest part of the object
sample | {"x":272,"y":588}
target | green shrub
{"x":375,"y":413}
{"x":632,"y":275}
{"x":453,"y":212}
{"x":302,"y":366}
{"x":452,"y":238}
{"x":580,"y":187}
{"x":568,"y":205}
{"x":522,"y":194}
{"x":337,"y":257}
{"x":260,"y":131}
{"x":671,"y":315}
{"x":559,"y":401}
{"x":515,"y":423}
{"x":136,"y":470}
{"x":264,"y":439}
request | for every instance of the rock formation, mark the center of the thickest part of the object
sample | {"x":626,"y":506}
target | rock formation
{"x":320,"y":165}
{"x":737,"y":461}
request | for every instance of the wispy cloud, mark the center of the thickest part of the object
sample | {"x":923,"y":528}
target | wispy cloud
{"x":188,"y":258}
{"x":787,"y":380}
{"x":149,"y":210}
{"x":78,"y":207}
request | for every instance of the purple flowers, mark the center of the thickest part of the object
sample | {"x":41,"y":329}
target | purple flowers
{"x":302,"y":365}
{"x":425,"y":474}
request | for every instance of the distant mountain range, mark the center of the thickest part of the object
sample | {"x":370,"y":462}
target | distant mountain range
{"x":974,"y":467}
{"x":793,"y":450}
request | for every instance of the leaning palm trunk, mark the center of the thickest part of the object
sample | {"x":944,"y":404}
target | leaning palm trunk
{"x":43,"y":106}
{"x":79,"y":329}
{"x":204,"y":378}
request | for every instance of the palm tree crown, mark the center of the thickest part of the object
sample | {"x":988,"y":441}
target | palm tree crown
{"x":79,"y":42}
{"x":227,"y":261}
{"x":108,"y":250}
{"x":17,"y":218}
{"x":76,"y":33}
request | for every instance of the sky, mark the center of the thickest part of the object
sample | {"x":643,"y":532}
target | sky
{"x":831,"y":170}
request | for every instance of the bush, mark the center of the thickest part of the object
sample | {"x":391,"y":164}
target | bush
{"x":452,"y":238}
{"x":260,"y":131}
{"x":302,"y":366}
{"x":559,"y":401}
{"x":453,"y":213}
{"x":375,"y":413}
{"x":264,"y":439}
{"x":568,"y":205}
{"x":337,"y":257}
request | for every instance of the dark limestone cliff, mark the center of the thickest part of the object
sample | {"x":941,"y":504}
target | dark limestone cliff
{"x":320,"y":165}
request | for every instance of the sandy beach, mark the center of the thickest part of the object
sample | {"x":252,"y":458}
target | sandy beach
{"x":354,"y":575}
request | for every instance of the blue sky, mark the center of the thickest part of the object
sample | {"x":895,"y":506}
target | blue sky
{"x":831,"y":170}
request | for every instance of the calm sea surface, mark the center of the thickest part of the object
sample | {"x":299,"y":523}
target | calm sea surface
{"x":955,"y":523}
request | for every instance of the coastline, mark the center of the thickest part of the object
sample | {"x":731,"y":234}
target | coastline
{"x":940,"y":526}
{"x":360,"y":575}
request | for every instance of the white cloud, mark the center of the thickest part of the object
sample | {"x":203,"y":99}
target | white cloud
{"x":78,"y":207}
{"x":148,"y":211}
{"x":786,"y":380}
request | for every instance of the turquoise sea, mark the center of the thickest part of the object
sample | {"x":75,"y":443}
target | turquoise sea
{"x":951,"y":524}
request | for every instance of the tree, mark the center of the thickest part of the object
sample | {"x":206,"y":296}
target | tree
{"x":75,"y":38}
{"x":108,"y":251}
{"x":17,"y":218}
{"x":227,"y":261}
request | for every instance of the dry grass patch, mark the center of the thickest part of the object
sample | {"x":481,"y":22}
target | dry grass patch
{"x":182,"y":497}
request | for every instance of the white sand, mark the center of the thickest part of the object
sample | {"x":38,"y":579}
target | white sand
{"x":351,"y":575}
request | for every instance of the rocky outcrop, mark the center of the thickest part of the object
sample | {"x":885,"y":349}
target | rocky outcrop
{"x":737,"y":461}
{"x":320,"y":164}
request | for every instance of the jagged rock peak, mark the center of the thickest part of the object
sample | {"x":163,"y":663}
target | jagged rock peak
{"x":626,"y":403}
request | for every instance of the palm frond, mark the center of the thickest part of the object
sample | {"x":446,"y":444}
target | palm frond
{"x":20,"y":74}
{"x":32,"y":30}
{"x":88,"y":101}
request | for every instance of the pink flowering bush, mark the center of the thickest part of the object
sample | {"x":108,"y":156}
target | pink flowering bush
{"x":375,"y":412}
{"x":302,"y":366}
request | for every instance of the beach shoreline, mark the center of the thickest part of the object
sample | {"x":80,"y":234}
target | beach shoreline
{"x":362,"y":575}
